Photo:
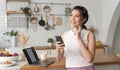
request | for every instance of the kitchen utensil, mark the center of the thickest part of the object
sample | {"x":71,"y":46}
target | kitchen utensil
{"x":53,"y":20}
{"x":34,"y":20}
{"x":67,"y":10}
{"x":67,"y":13}
{"x":42,"y":22}
{"x":47,"y":27}
{"x":36,"y":8}
{"x":58,"y":21}
{"x":46,"y":9}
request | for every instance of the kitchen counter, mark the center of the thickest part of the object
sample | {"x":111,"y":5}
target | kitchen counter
{"x":99,"y":60}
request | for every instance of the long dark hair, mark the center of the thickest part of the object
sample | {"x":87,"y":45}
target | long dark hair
{"x":84,"y":14}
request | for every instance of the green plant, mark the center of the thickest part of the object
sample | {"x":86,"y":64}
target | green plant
{"x":28,"y":14}
{"x":50,"y":40}
{"x":11,"y":33}
{"x":27,"y":11}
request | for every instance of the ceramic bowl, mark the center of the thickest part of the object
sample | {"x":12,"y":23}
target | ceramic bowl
{"x":8,"y":58}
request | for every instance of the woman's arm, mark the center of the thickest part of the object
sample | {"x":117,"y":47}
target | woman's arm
{"x":60,"y":50}
{"x":59,"y":54}
{"x":89,"y":52}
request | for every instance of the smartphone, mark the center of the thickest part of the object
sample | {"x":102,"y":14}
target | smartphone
{"x":59,"y":38}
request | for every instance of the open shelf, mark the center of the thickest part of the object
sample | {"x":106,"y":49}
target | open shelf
{"x":14,"y":12}
{"x":44,"y":47}
{"x":54,"y":47}
{"x":18,"y":0}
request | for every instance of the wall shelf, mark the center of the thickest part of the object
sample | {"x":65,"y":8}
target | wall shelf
{"x":51,"y":3}
{"x":14,"y":12}
{"x":49,"y":14}
{"x":18,"y":0}
{"x":44,"y":47}
{"x":54,"y":47}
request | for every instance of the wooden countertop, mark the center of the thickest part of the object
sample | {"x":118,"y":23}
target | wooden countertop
{"x":54,"y":47}
{"x":106,"y":59}
{"x":99,"y":60}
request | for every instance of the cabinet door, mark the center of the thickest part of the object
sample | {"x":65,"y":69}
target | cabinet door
{"x":107,"y":67}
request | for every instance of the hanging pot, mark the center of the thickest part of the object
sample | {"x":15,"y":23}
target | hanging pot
{"x":42,"y":22}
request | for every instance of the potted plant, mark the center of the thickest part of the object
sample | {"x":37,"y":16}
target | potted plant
{"x":13,"y":39}
{"x":11,"y":33}
{"x":50,"y":41}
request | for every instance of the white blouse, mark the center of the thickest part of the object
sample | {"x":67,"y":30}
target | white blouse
{"x":73,"y":54}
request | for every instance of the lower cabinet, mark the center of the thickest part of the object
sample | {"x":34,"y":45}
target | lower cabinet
{"x":108,"y":67}
{"x":100,"y":67}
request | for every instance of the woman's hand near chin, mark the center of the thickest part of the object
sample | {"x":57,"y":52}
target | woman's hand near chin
{"x":78,"y":32}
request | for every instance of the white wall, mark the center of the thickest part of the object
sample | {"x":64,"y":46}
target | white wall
{"x":2,"y":14}
{"x":110,"y":20}
{"x":116,"y":39}
{"x":108,"y":11}
{"x":2,"y":8}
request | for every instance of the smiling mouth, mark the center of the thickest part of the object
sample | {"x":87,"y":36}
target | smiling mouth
{"x":73,"y":22}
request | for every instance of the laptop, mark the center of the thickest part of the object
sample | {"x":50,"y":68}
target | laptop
{"x":33,"y":58}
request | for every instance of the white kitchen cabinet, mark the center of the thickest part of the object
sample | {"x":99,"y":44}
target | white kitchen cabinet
{"x":108,"y":67}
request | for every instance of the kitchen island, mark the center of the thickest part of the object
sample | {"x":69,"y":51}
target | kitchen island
{"x":101,"y":62}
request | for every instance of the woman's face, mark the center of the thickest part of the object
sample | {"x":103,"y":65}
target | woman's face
{"x":75,"y":18}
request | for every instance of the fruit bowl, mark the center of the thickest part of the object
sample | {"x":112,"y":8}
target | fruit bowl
{"x":6,"y":56}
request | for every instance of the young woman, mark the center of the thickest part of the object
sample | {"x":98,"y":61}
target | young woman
{"x":79,"y":43}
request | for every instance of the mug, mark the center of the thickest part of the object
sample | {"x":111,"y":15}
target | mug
{"x":43,"y":56}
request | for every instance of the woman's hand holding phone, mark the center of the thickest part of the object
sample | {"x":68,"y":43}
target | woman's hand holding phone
{"x":59,"y":38}
{"x":59,"y":42}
